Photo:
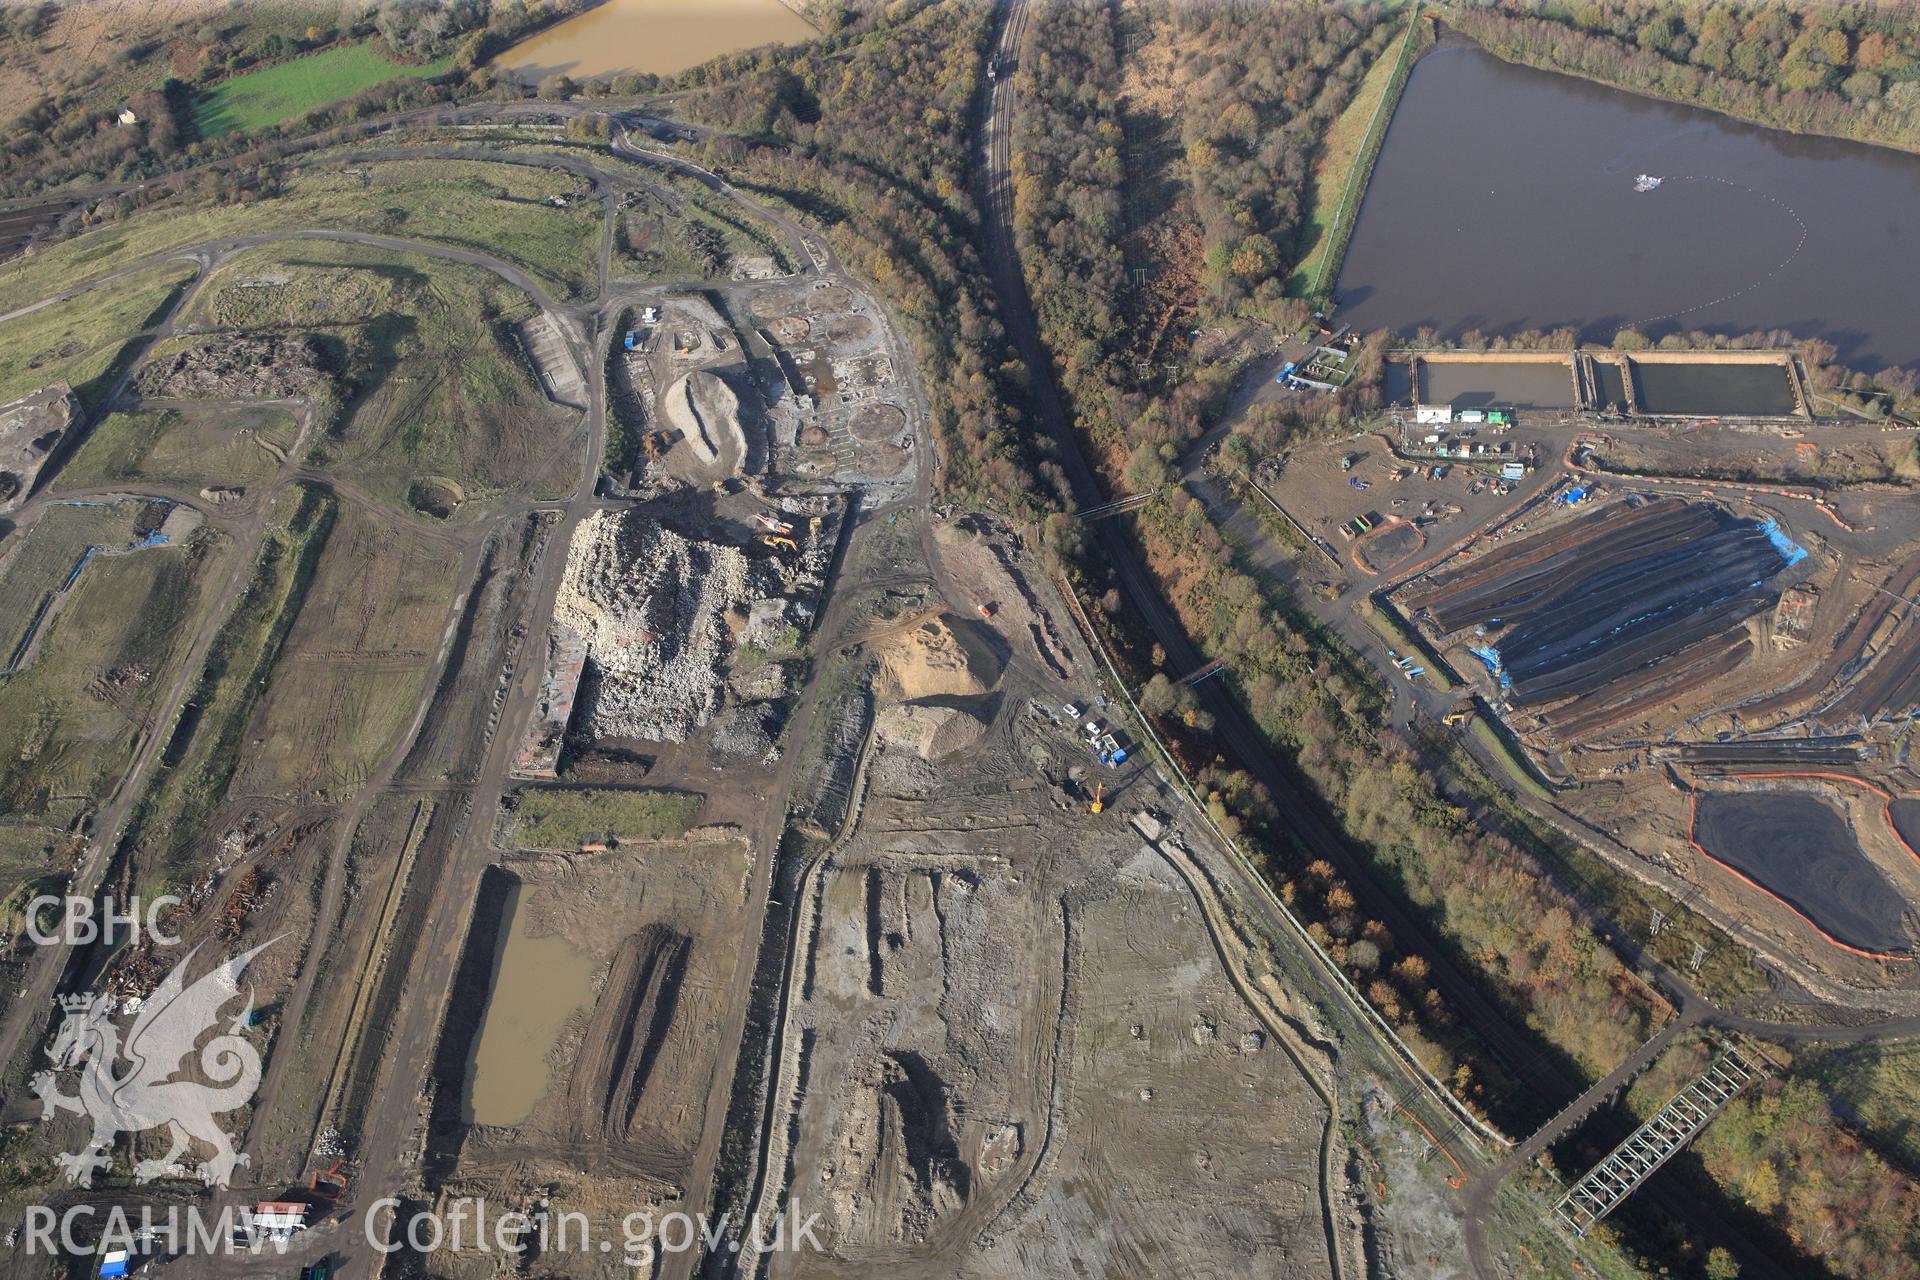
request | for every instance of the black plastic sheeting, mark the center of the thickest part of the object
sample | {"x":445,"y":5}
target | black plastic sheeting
{"x":1798,"y":847}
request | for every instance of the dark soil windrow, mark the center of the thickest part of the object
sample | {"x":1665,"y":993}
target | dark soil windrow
{"x":1797,"y":847}
{"x":629,"y":1025}
{"x":1588,"y":604}
{"x":1799,"y":752}
{"x":1889,"y":686}
{"x":1652,"y":685}
{"x":466,"y":1009}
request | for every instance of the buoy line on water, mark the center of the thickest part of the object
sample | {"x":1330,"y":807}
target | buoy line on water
{"x":1782,"y":265}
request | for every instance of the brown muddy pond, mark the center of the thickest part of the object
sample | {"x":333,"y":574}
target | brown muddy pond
{"x":1504,"y":200}
{"x":537,"y":984}
{"x":661,"y":36}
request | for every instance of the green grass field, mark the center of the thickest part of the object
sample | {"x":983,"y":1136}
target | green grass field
{"x":81,"y":342}
{"x":63,"y":747}
{"x":568,"y":817}
{"x":270,"y":96}
{"x":499,"y":209}
{"x":215,"y":446}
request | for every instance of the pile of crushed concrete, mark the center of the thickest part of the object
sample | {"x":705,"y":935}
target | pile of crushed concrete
{"x":652,"y":607}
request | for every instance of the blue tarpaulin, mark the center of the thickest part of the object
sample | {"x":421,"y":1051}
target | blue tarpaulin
{"x":1782,"y":543}
{"x":1491,"y":656}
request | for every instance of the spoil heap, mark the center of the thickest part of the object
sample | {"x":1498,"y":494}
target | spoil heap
{"x":30,"y":429}
{"x":932,"y":733}
{"x":272,"y":367}
{"x":932,"y":657}
{"x":651,"y":607}
{"x":704,"y":409}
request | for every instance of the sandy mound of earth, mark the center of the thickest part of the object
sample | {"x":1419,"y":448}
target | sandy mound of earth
{"x":932,"y":733}
{"x":704,"y":409}
{"x":930,"y":658}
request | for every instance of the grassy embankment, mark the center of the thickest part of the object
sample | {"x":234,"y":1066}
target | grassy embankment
{"x":223,"y":446}
{"x":504,"y":210}
{"x":86,"y":342}
{"x":1384,"y":623}
{"x":293,"y":88}
{"x":204,"y":750}
{"x":570,"y":817}
{"x":1346,"y":162}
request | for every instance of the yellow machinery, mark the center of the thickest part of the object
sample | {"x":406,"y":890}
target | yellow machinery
{"x":1096,"y":806}
{"x":1456,"y":717}
{"x":774,"y":540}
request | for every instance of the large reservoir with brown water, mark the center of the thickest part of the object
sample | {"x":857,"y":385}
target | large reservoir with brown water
{"x":661,"y":36}
{"x":1505,"y":199}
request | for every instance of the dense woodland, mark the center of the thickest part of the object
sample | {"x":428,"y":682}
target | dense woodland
{"x":875,"y":150}
{"x":1247,"y":140}
{"x":1259,"y":85}
{"x":1852,"y":70}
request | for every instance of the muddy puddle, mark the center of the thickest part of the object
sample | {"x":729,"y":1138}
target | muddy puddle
{"x":661,"y":36}
{"x":537,"y":983}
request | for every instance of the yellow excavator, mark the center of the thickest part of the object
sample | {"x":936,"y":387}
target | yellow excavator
{"x":1096,"y":806}
{"x":1457,"y":717}
{"x":775,"y":541}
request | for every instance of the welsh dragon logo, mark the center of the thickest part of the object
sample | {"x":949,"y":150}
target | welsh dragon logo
{"x":166,"y":1029}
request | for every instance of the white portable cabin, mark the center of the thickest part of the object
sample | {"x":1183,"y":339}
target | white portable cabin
{"x":1432,"y":413}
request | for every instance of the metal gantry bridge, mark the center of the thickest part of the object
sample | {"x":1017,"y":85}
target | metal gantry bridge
{"x":1654,"y":1143}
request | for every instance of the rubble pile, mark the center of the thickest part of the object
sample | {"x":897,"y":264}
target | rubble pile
{"x":745,"y":732}
{"x":30,"y":429}
{"x":269,"y":367}
{"x":651,"y":606}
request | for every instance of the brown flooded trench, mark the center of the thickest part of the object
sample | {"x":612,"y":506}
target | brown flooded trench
{"x":538,"y":982}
